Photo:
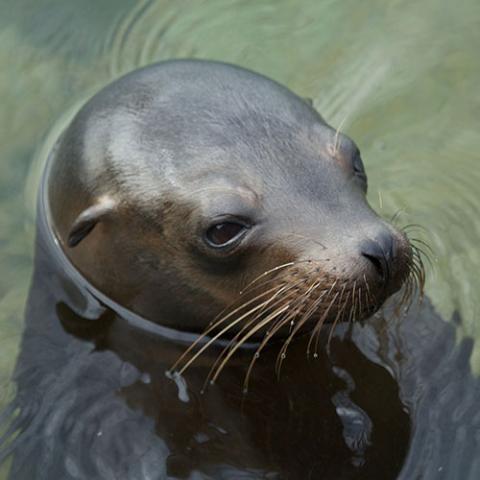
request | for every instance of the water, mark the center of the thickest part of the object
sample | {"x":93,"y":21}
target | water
{"x":401,"y":77}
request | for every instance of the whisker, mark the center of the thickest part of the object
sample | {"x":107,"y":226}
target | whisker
{"x":412,"y":288}
{"x":259,"y":309}
{"x":217,"y":323}
{"x":414,"y":225}
{"x":323,"y":316}
{"x":418,"y":252}
{"x":290,"y":264}
{"x":290,"y":234}
{"x":268,"y":272}
{"x":255,"y":329}
{"x":380,"y":199}
{"x":367,"y":290}
{"x":269,"y":334}
{"x":422,"y":242}
{"x":418,"y":275}
{"x":407,"y":292}
{"x":339,"y":313}
{"x":367,"y":301}
{"x":360,"y":308}
{"x":352,"y":309}
{"x":316,"y":331}
{"x":234,"y":340}
{"x":301,"y":322}
{"x":218,"y":335}
{"x":396,"y":215}
{"x":337,"y":133}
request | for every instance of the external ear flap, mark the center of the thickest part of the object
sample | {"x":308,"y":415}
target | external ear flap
{"x":87,"y":220}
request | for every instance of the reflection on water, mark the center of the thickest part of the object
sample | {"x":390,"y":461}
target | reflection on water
{"x":401,"y":77}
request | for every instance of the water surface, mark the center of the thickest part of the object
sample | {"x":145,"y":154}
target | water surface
{"x":400,"y":77}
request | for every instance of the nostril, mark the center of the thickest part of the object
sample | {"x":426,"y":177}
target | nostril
{"x":380,"y":252}
{"x":377,"y":264}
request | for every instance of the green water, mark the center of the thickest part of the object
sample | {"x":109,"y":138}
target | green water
{"x":401,"y":77}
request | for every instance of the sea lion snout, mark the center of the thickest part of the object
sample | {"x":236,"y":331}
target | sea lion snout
{"x":355,"y":274}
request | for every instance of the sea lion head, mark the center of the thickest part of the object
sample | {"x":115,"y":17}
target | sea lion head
{"x":191,"y":188}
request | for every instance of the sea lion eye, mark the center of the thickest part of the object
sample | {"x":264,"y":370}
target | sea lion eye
{"x":358,"y":164}
{"x":224,"y":233}
{"x":358,"y":167}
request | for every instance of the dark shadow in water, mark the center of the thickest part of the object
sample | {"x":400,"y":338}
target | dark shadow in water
{"x":93,"y":400}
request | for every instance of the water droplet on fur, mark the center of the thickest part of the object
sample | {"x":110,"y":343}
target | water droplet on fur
{"x":315,"y":355}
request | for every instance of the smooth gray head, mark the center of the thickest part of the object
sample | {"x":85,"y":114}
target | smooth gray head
{"x":178,"y":185}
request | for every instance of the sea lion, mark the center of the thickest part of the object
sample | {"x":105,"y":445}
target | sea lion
{"x":198,"y":203}
{"x":189,"y":187}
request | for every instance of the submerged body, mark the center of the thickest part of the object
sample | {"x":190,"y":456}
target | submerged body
{"x":94,"y":400}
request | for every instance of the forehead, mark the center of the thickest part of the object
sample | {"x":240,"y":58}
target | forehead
{"x":248,"y":132}
{"x":306,"y":162}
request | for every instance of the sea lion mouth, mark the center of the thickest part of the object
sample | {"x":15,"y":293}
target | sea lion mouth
{"x":298,"y":298}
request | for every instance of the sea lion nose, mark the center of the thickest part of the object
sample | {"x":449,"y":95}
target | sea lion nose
{"x":380,"y":251}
